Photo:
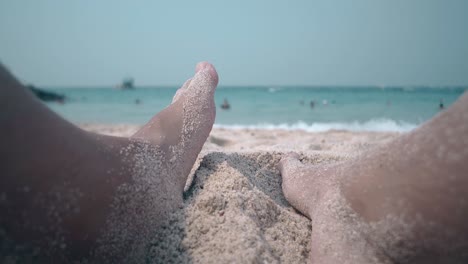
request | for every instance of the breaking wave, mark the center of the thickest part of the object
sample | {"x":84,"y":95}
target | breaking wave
{"x":374,"y":125}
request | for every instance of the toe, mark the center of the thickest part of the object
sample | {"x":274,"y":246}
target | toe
{"x":206,"y":72}
{"x":206,"y":66}
{"x":201,"y":85}
{"x":181,"y":90}
{"x":286,"y":162}
{"x":294,"y":182}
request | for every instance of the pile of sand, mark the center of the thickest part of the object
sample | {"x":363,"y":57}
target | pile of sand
{"x":234,"y":209}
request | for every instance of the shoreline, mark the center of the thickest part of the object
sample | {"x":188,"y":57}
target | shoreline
{"x":124,"y":129}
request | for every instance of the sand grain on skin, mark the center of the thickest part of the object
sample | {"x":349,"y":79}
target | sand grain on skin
{"x":234,"y":208}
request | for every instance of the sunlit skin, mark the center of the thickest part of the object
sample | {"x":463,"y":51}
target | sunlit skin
{"x":420,"y":178}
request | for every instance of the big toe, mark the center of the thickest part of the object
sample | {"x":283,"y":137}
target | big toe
{"x":205,"y":80}
{"x":209,"y":69}
{"x":205,"y":77}
{"x":286,"y":162}
{"x":295,"y":182}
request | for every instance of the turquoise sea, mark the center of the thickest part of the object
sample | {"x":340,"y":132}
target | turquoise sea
{"x":350,"y":108}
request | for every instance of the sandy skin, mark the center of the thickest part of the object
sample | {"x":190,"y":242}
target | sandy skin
{"x":404,"y":202}
{"x":109,"y":193}
{"x":88,"y":181}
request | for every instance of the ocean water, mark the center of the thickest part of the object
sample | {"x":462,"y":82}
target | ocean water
{"x":349,"y":108}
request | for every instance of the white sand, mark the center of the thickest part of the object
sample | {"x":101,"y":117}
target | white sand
{"x":234,"y":209}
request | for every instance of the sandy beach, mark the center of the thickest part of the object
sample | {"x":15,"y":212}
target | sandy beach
{"x":234,"y":209}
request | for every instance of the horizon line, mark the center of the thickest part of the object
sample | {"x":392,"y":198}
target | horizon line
{"x":465,"y":86}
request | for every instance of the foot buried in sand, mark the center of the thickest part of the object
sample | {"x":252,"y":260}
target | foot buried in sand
{"x":404,"y":202}
{"x":315,"y":192}
{"x":110,"y":194}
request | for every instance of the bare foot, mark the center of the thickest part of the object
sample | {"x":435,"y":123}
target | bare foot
{"x":399,"y":203}
{"x":336,"y":228}
{"x":107,"y":195}
{"x":404,"y":202}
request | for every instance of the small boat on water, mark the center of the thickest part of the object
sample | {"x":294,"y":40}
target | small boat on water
{"x":126,"y":84}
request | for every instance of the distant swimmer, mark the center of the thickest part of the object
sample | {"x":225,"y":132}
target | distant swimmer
{"x":312,"y":104}
{"x":137,"y":101}
{"x":225,"y":105}
{"x":441,"y":104}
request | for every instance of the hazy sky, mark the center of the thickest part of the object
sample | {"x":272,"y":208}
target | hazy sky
{"x":266,"y":42}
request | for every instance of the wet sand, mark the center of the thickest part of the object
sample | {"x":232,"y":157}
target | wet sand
{"x":234,"y":210}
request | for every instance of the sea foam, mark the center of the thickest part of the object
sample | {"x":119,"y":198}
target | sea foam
{"x":373,"y":125}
